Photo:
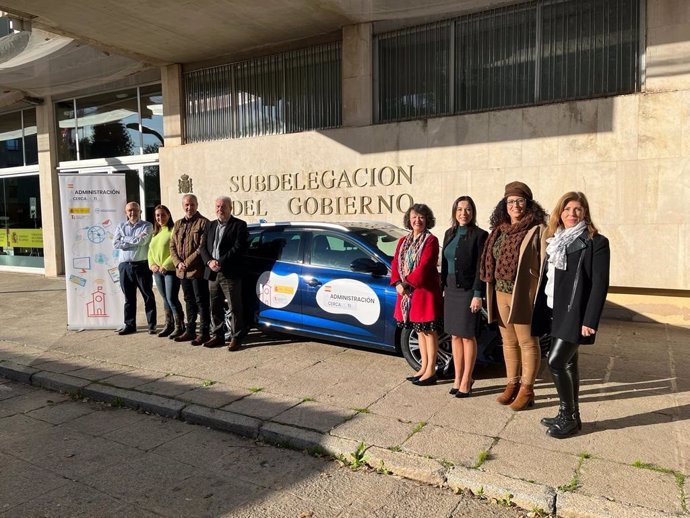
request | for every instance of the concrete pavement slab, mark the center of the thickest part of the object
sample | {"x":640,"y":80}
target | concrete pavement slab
{"x":479,"y":415}
{"x":409,"y":402}
{"x":574,"y":505}
{"x":309,"y":383}
{"x":131,"y":378}
{"x":31,"y":401}
{"x":147,"y":481}
{"x":170,"y":385}
{"x":201,"y":447}
{"x":11,"y":390}
{"x":636,"y":438}
{"x":528,"y":495}
{"x":148,"y":433}
{"x":68,"y":453}
{"x":448,"y":445}
{"x":262,"y":405}
{"x":314,"y":416}
{"x":62,"y":413}
{"x":99,"y":371}
{"x":213,"y":395}
{"x":61,"y":363}
{"x":356,"y":392}
{"x":633,"y":485}
{"x":21,"y":482}
{"x":375,"y":430}
{"x":81,"y":500}
{"x":20,"y":425}
{"x":636,"y":369}
{"x":385,"y":497}
{"x":528,"y":463}
{"x":95,"y":424}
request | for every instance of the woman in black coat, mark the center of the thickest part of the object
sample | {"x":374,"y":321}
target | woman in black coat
{"x":462,"y":249}
{"x":570,"y":300}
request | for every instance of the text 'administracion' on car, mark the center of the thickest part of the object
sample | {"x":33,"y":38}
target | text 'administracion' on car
{"x":332,"y":282}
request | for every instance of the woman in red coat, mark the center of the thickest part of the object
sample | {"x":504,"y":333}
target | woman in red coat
{"x":415,"y":276}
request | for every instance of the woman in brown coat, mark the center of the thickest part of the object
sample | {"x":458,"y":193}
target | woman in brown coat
{"x":510,"y":266}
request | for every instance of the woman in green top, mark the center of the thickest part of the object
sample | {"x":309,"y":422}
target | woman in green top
{"x":462,"y":289}
{"x":164,"y":272}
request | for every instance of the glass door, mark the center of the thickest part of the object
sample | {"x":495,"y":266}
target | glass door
{"x":21,"y":229}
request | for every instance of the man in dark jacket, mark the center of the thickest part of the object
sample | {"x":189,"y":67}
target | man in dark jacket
{"x":223,"y":253}
{"x":185,"y":246}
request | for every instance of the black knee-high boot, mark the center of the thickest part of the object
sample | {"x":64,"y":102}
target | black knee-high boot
{"x":573,"y":370}
{"x":561,"y":354}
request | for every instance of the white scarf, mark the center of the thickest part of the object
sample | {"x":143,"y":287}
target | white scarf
{"x":560,"y":241}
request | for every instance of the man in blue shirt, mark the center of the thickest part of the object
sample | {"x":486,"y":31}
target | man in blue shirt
{"x":132,"y":238}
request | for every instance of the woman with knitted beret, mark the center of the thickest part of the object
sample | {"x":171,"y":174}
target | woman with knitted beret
{"x":510,"y":266}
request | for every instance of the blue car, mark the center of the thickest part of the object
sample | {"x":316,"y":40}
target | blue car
{"x":332,"y":282}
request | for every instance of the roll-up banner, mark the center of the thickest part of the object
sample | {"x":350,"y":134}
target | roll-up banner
{"x":92,"y":206}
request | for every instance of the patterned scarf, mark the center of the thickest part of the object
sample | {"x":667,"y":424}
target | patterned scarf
{"x":560,"y":241}
{"x":408,"y":259}
{"x":509,"y":253}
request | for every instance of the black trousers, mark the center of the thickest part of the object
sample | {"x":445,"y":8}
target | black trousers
{"x":136,"y":275}
{"x":196,"y":299}
{"x":225,"y":288}
{"x":563,"y":358}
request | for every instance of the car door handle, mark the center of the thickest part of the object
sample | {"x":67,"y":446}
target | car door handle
{"x":311,"y":281}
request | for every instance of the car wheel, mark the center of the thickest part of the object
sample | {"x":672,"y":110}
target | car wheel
{"x":409,"y":346}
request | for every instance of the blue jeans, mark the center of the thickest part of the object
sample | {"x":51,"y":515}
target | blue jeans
{"x":169,"y":287}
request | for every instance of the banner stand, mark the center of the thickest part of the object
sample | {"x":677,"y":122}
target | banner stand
{"x":91,"y":206}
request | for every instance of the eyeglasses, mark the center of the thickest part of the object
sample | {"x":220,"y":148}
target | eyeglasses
{"x":517,"y":201}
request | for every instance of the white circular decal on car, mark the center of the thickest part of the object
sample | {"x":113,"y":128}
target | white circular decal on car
{"x":276,"y":291}
{"x":349,"y":297}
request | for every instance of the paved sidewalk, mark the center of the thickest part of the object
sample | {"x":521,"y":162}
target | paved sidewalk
{"x":64,"y":457}
{"x":631,"y":459}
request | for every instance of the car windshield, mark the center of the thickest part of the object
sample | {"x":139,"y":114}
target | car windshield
{"x":383,"y":239}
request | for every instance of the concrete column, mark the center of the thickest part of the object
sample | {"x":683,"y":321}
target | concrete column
{"x":358,"y":101}
{"x":50,"y":189}
{"x":173,"y":105}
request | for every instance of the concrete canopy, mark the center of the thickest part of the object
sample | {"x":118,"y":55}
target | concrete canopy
{"x":38,"y":63}
{"x":188,"y":31}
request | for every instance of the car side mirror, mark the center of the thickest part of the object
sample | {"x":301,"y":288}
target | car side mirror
{"x":367,"y":265}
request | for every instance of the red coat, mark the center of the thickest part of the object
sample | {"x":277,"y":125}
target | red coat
{"x":427,"y":301}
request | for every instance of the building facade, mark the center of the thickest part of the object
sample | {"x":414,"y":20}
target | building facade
{"x":359,"y":123}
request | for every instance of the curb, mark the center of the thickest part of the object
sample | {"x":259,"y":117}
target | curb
{"x":130,"y":398}
{"x":574,"y":505}
{"x":16,"y":372}
{"x":222,"y":420}
{"x":527,"y":495}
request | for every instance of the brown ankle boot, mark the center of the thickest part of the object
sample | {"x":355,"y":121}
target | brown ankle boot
{"x":509,"y":393}
{"x":524,"y":399}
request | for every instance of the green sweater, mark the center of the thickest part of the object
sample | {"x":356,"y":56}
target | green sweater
{"x":159,"y":250}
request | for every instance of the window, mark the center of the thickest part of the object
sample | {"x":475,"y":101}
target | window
{"x":334,"y":252}
{"x":18,"y":145}
{"x":276,"y":245}
{"x":534,"y":52}
{"x":122,"y":123}
{"x":282,"y":93}
{"x":414,"y":70}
